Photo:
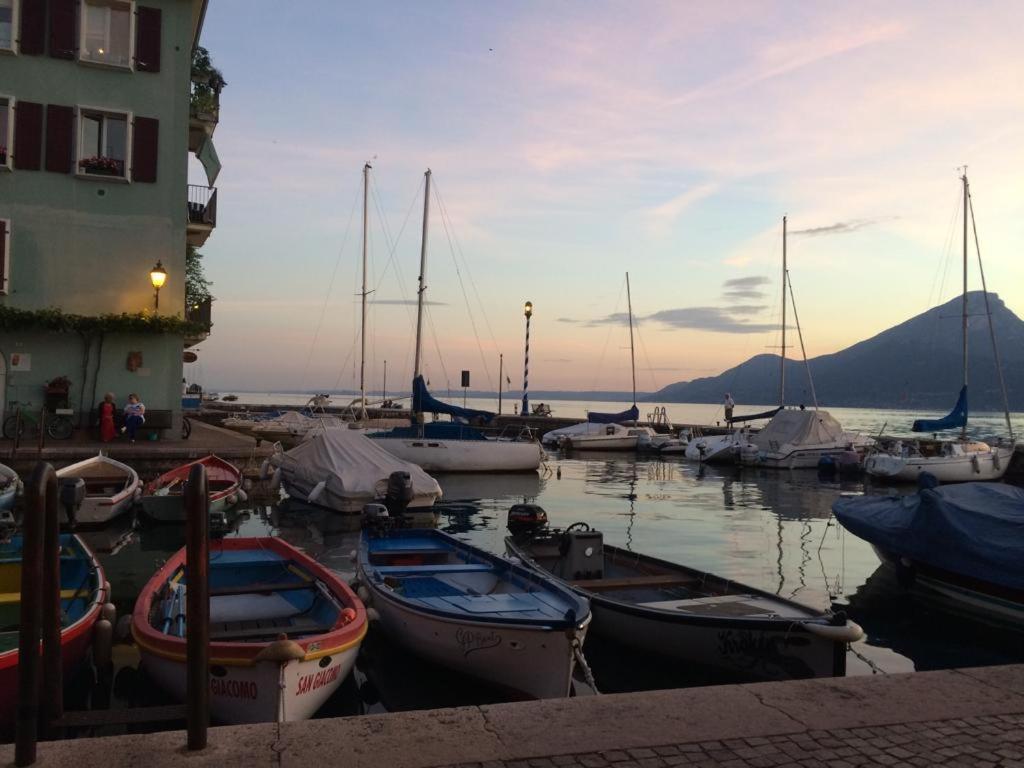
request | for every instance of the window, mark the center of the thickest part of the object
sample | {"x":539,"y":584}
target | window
{"x":6,"y":131}
{"x":106,"y":29}
{"x":103,"y":143}
{"x":5,"y":255}
{"x":8,"y":21}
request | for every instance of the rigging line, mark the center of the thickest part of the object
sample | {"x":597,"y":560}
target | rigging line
{"x":647,"y":358}
{"x":991,"y":328}
{"x":800,"y":335}
{"x":608,"y":338}
{"x":472,"y":282}
{"x":437,"y":344}
{"x":330,"y":287}
{"x":935,"y":295}
{"x":445,"y":221}
{"x":351,"y":351}
{"x":393,"y":244}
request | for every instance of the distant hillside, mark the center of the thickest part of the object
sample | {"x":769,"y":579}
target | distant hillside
{"x":916,"y":364}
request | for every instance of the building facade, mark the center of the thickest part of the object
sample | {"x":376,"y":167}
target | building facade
{"x":95,"y":119}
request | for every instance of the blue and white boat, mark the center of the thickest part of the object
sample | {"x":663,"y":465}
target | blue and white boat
{"x":963,"y":543}
{"x":10,"y":485}
{"x":474,"y":612}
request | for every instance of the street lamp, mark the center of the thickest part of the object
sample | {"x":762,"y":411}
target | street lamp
{"x":528,"y":311}
{"x":157,"y":276}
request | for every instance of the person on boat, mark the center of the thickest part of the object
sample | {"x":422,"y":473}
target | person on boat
{"x":729,"y":405}
{"x":106,"y":411}
{"x":134,"y":417}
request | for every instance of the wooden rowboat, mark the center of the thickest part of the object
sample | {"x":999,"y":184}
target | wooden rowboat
{"x":284,"y":630}
{"x":163,"y":498}
{"x":111,"y":488}
{"x":83,"y":592}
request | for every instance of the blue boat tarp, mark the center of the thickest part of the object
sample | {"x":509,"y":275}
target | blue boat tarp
{"x":424,"y":402}
{"x":953,"y":420}
{"x":972,"y":529}
{"x":614,"y":418}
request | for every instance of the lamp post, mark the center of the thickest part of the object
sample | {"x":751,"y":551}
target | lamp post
{"x":157,"y":276}
{"x":528,"y":311}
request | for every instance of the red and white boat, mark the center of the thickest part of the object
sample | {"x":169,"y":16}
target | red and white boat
{"x":284,"y":630}
{"x":164,"y":498}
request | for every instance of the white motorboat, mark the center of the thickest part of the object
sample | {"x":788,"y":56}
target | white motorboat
{"x":718,"y":449}
{"x":111,"y":488}
{"x":799,"y":439}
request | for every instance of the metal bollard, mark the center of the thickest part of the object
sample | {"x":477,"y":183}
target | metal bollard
{"x":197,"y":565}
{"x":31,"y":614}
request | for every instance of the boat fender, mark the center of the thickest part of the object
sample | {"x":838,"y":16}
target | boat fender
{"x":123,"y":628}
{"x":265,"y":469}
{"x":281,"y":650}
{"x":275,"y":479}
{"x":372,"y":615}
{"x":108,"y":612}
{"x":363,"y":593}
{"x":317,"y":491}
{"x":106,"y":590}
{"x":242,"y":496}
{"x":232,"y":499}
{"x":348,"y":615}
{"x":102,"y":643}
{"x":975,"y":463}
{"x":353,"y":556}
{"x":848,"y":632}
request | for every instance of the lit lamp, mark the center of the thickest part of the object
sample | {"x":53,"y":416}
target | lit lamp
{"x":157,"y":276}
{"x":528,"y":311}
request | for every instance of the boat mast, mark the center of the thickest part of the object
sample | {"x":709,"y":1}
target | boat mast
{"x":423,"y":273}
{"x":632,"y":355}
{"x":362,"y":332}
{"x":501,"y":373}
{"x":963,"y":430}
{"x":782,"y":360}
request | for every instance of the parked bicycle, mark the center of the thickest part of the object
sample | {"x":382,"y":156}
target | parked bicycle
{"x":58,"y":425}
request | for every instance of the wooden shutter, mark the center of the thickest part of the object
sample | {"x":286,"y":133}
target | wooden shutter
{"x":147,"y":39}
{"x":3,"y":256}
{"x":60,"y":138}
{"x":62,"y":29}
{"x":28,"y":135}
{"x":144,"y":149}
{"x":32,"y":36}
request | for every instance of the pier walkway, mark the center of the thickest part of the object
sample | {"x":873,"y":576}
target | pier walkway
{"x":965,"y":717}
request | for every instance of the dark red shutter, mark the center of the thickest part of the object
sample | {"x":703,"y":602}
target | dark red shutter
{"x":3,"y":256}
{"x":147,"y":39}
{"x":28,"y":135}
{"x":144,"y":149}
{"x":62,"y":29}
{"x":60,"y":138}
{"x":32,"y":40}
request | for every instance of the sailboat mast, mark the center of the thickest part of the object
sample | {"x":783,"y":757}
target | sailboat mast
{"x":362,"y":332}
{"x":782,"y":359}
{"x":632,"y":354}
{"x":423,"y":273}
{"x":963,"y":430}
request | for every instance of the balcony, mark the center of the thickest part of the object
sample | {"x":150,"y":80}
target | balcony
{"x":202,"y":213}
{"x":204,"y":114}
{"x":200,"y":313}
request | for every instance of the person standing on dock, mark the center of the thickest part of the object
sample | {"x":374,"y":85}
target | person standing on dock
{"x":134,"y":417}
{"x":729,"y":405}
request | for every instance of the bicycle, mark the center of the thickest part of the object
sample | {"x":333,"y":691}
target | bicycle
{"x":186,"y":427}
{"x":58,"y":424}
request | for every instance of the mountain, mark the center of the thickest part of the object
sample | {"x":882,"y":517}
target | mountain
{"x":916,"y":364}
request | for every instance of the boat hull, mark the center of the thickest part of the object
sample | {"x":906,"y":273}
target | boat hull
{"x":99,"y":507}
{"x":604,"y":443}
{"x":984,"y":466}
{"x":800,"y":458}
{"x":530,"y":662}
{"x":464,"y":455}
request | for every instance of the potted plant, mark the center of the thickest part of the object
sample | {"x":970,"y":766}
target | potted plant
{"x":58,"y":386}
{"x":100,"y":165}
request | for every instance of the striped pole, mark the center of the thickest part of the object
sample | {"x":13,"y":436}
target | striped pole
{"x":528,"y":311}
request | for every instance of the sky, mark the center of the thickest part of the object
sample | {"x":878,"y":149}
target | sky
{"x":572,"y":142}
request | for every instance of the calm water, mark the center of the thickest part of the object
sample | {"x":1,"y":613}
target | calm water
{"x":768,"y":529}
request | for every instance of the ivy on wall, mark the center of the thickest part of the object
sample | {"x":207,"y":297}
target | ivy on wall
{"x":56,"y":320}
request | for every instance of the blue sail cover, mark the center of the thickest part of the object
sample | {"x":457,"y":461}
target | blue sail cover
{"x":424,"y":402}
{"x":954,"y":420}
{"x":972,"y":529}
{"x":614,"y":418}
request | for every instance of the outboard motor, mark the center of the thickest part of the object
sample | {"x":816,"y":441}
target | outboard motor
{"x":71,"y":492}
{"x":399,"y":493}
{"x":376,"y":520}
{"x":526,"y":518}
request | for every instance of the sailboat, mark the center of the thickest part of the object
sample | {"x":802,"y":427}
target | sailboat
{"x":962,"y":459}
{"x":459,"y":445}
{"x":798,"y":438}
{"x":605,"y":431}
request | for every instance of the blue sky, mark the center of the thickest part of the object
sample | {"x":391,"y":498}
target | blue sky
{"x":573,"y":141}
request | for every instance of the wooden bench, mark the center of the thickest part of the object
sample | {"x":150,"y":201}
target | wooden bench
{"x":156,"y":421}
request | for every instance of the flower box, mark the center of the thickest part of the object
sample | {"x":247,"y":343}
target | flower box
{"x":101,"y":166}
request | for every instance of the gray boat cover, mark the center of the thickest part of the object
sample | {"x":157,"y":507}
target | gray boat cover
{"x":795,"y":427}
{"x":972,"y":529}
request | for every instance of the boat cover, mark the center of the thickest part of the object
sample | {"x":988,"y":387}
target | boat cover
{"x":353,"y":465}
{"x":614,"y":418}
{"x":424,"y":402}
{"x":953,"y":420}
{"x":796,"y":427}
{"x":973,"y":529}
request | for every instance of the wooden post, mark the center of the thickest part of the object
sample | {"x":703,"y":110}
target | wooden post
{"x":197,"y":580}
{"x":27,"y":718}
{"x":53,"y":671}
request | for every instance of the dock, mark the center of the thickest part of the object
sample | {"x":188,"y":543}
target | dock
{"x":960,"y":717}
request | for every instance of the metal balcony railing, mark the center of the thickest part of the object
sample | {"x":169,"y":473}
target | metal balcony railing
{"x":202,"y":205}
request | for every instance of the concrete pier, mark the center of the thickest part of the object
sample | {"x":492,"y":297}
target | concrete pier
{"x":965,"y":717}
